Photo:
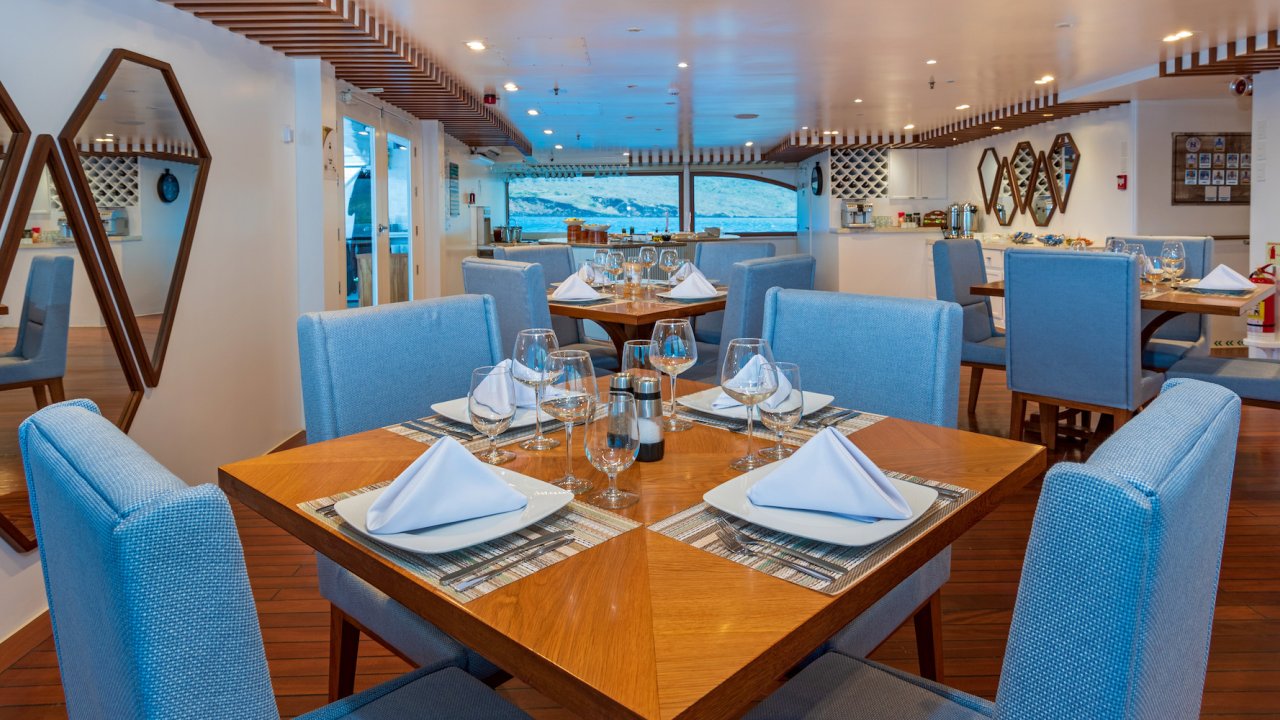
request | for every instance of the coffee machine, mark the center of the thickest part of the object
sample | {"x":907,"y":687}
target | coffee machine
{"x":856,"y":213}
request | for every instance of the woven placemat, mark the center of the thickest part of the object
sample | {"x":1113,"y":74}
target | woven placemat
{"x":797,"y":435}
{"x":696,"y":526}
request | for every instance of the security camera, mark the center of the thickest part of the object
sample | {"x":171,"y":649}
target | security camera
{"x":1241,"y":86}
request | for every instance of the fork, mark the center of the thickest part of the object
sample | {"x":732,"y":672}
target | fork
{"x":746,"y":539}
{"x":733,"y":545}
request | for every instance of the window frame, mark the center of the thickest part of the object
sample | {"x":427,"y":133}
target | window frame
{"x":679,"y":175}
{"x":693,"y":203}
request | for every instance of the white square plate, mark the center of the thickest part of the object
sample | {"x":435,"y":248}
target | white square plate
{"x":544,"y":499}
{"x":669,"y":296}
{"x":731,"y":497}
{"x":456,"y":410}
{"x":701,"y":401}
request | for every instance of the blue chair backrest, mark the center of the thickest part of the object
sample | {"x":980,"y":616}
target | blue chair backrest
{"x":46,"y":315}
{"x":557,"y":264}
{"x":958,"y":266}
{"x":748,"y":282}
{"x":518,"y":290}
{"x":370,"y":367}
{"x":1072,"y":323}
{"x":715,"y":259}
{"x":150,"y":602}
{"x":893,"y":356}
{"x":1116,"y":601}
{"x":1188,"y":326}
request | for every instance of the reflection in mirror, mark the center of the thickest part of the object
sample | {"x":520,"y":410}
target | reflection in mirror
{"x":55,"y":338}
{"x":13,"y":143}
{"x":988,"y":168}
{"x":1004,"y":203}
{"x":1023,"y":163}
{"x":1039,"y":202}
{"x":141,"y":171}
{"x":1064,"y":158}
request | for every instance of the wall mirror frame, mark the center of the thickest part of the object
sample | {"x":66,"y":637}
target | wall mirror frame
{"x":988,"y":175}
{"x":1005,"y":188}
{"x":1041,"y":201}
{"x":1064,"y":162}
{"x":164,"y":136}
{"x":14,"y":137}
{"x":1023,"y":163}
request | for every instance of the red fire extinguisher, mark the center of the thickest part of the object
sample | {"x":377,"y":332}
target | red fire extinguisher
{"x":1262,"y":319}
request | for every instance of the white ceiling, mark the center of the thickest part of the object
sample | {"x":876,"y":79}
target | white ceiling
{"x":802,"y":63}
{"x":136,"y":106}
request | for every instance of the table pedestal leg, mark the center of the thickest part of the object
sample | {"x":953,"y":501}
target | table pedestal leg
{"x":619,"y":334}
{"x":1152,"y":327}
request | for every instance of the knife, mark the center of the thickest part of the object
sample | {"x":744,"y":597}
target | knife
{"x":466,"y":585}
{"x":477,"y":566}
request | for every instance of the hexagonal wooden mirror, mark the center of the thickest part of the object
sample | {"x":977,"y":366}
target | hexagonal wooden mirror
{"x":14,"y":135}
{"x":1064,"y":161}
{"x":142,"y":169}
{"x":988,"y":171}
{"x":1004,"y":200}
{"x":1040,"y":202}
{"x":1023,"y":163}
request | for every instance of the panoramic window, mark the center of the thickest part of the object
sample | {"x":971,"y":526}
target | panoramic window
{"x":649,"y":203}
{"x":743,"y":205}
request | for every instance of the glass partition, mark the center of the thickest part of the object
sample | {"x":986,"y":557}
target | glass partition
{"x":743,"y":204}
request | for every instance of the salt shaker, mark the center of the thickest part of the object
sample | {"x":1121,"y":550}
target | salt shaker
{"x":649,"y":414}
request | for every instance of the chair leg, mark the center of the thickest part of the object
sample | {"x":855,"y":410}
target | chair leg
{"x":975,"y":382}
{"x":55,"y":390}
{"x":928,"y":624}
{"x":1017,"y":416}
{"x":344,"y":647}
{"x":1049,"y":425}
{"x":1122,"y":417}
{"x":42,"y":400}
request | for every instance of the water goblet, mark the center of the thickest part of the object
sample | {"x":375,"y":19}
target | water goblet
{"x":748,"y":376}
{"x":785,"y":414}
{"x":669,"y":262}
{"x":530,"y":360}
{"x":491,"y":405}
{"x":570,"y":398}
{"x":612,"y":444}
{"x":648,"y":257}
{"x":1174,"y":256}
{"x":676,"y":351}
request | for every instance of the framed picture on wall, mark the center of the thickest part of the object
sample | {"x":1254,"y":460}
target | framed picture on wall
{"x":1211,"y":167}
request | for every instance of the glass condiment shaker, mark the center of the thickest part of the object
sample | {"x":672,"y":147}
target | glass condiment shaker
{"x":649,"y":413}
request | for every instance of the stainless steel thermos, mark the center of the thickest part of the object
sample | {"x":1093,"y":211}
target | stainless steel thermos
{"x":649,"y":414}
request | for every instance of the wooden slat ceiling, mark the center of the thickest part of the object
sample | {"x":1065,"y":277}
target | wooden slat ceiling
{"x":976,"y":127}
{"x":366,"y":53}
{"x":1245,"y":56}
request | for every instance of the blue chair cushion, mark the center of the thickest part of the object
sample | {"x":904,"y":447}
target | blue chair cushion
{"x":1149,"y":386}
{"x":990,"y":351}
{"x":873,"y":627}
{"x":1251,"y":378}
{"x":1162,"y":354}
{"x":603,"y":356}
{"x":838,"y":687}
{"x":443,"y":693}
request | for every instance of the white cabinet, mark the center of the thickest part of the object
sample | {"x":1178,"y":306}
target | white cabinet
{"x":918,"y":174}
{"x":994,"y":262}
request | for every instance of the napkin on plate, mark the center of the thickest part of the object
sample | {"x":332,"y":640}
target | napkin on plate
{"x":687,"y":270}
{"x":1224,"y":278}
{"x":493,"y":393}
{"x":748,"y":375}
{"x":445,"y":484}
{"x":694,"y":286}
{"x":574,"y":288}
{"x":830,"y":474}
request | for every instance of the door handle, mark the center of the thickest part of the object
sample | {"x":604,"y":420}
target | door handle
{"x":381,"y":228}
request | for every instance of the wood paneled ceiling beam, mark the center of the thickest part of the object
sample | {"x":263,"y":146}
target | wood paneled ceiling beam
{"x":1243,"y":56}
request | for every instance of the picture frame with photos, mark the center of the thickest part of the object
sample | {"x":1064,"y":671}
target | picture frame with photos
{"x":1211,"y":168}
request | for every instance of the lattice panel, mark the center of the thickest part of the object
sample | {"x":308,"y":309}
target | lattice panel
{"x":113,"y":179}
{"x":859,"y":173}
{"x":1023,"y":164}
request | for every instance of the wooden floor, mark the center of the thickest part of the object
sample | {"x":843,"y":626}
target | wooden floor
{"x":1244,"y":663}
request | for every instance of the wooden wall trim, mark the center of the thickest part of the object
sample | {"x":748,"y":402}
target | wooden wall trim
{"x":24,"y":640}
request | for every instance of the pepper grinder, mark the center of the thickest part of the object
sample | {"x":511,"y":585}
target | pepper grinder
{"x":649,"y":414}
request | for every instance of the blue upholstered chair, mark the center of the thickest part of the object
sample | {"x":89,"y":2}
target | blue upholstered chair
{"x":749,"y":280}
{"x":893,"y":356}
{"x":368,"y":368}
{"x":557,"y":264}
{"x":1116,"y":602}
{"x":38,"y":359}
{"x":152,"y":613}
{"x":1186,"y":334}
{"x":520,"y":293}
{"x":1255,"y":380}
{"x":1074,"y":336}
{"x":716,"y":259}
{"x":958,"y":266}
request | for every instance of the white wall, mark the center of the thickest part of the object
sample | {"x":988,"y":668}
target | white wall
{"x":457,"y":241}
{"x":1264,"y":211}
{"x":230,"y":383}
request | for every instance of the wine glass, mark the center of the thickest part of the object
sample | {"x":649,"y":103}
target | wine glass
{"x":749,"y":376}
{"x":1115,"y":245}
{"x":1174,"y":260}
{"x":648,"y":257}
{"x":491,"y":405}
{"x":1139,"y":252}
{"x":782,"y":416}
{"x":570,"y":398}
{"x":611,"y":265}
{"x":612,"y":443}
{"x":530,"y":359}
{"x":637,"y":359}
{"x":1154,"y":271}
{"x":675,"y":351}
{"x":669,"y":262}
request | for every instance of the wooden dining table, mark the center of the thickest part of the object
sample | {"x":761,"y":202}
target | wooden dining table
{"x":633,"y":319}
{"x":641,"y":625}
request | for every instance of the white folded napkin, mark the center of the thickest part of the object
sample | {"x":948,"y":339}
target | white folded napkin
{"x":574,"y":288}
{"x":587,"y":273}
{"x":1224,"y":278}
{"x":493,"y":393}
{"x":694,"y":286}
{"x":750,"y":375}
{"x":445,"y":484}
{"x":688,"y":270}
{"x":830,"y":474}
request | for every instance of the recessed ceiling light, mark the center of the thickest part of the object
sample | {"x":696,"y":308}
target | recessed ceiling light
{"x":1045,"y":80}
{"x":748,"y":143}
{"x":953,"y":138}
{"x":804,"y":127}
{"x":110,"y":135}
{"x":996,"y":127}
{"x":747,"y":116}
{"x":548,"y":131}
{"x":908,"y":126}
{"x":1048,"y":115}
{"x":1180,"y":35}
{"x":102,"y":140}
{"x":682,"y":65}
{"x":475,"y":45}
{"x":532,"y":111}
{"x":857,"y":100}
{"x":962,"y":107}
{"x":511,"y":87}
{"x":559,"y":147}
{"x":930,"y":62}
